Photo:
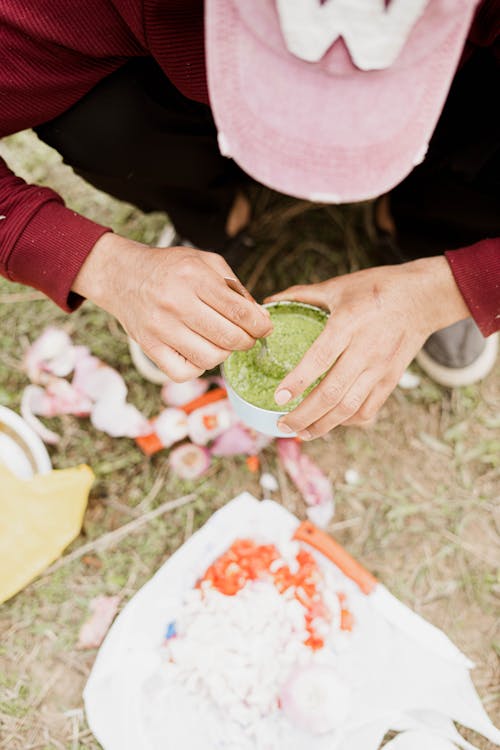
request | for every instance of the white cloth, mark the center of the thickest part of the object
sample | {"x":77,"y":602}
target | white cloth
{"x":397,"y":682}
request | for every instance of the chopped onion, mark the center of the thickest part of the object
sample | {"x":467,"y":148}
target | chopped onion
{"x":210,"y":421}
{"x":34,"y":401}
{"x":171,"y":425}
{"x":239,"y":440}
{"x":65,"y":399}
{"x":52,"y":353}
{"x":119,"y":419}
{"x":315,"y":700}
{"x":178,"y":394}
{"x":312,"y":483}
{"x":99,"y":381}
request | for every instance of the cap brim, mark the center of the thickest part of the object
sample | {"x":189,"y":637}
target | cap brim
{"x":306,"y":132}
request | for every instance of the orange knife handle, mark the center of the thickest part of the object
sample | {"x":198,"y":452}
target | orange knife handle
{"x":322,"y":542}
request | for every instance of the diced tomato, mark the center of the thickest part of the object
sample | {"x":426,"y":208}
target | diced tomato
{"x":247,"y":561}
{"x":210,"y":421}
{"x":346,"y":620}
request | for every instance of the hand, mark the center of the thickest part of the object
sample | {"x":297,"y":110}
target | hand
{"x":380,"y":318}
{"x":174,"y":302}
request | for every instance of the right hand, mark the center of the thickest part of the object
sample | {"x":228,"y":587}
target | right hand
{"x":174,"y":302}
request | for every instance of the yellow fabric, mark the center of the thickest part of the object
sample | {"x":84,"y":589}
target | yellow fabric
{"x":38,"y":519}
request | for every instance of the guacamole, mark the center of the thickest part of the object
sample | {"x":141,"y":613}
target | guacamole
{"x":255,"y":375}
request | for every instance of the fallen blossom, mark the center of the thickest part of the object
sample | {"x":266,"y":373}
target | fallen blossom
{"x":52,"y":353}
{"x":189,"y":461}
{"x":104,"y":609}
{"x":312,"y":483}
{"x":178,"y":394}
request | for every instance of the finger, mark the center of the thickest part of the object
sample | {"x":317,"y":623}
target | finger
{"x":320,"y":356}
{"x":328,"y":394}
{"x":172,"y":363}
{"x":196,"y":349}
{"x":216,"y":328}
{"x":349,"y":405}
{"x":311,"y":294}
{"x":222,"y":267}
{"x":368,"y":412}
{"x":247,"y":315}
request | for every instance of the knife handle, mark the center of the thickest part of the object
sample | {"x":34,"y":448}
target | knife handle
{"x":322,"y":542}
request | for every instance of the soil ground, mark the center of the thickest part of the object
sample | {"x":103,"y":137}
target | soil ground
{"x":424,"y":518}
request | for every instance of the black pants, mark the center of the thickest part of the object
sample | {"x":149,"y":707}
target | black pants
{"x":137,"y":138}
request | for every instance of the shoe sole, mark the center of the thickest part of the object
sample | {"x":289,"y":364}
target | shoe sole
{"x":454,"y":377}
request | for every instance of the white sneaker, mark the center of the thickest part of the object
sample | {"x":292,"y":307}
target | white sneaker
{"x":458,"y":355}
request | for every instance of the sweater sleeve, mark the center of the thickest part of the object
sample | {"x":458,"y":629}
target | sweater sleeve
{"x":477,"y":272}
{"x":42,"y":243}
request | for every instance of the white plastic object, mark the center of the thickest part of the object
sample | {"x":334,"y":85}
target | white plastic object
{"x":21,"y":450}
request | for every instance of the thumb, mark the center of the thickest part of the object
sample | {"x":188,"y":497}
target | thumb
{"x":311,"y":294}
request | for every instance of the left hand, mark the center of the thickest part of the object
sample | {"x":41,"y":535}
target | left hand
{"x":380,"y":318}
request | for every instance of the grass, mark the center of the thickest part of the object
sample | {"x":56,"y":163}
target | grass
{"x":424,"y":517}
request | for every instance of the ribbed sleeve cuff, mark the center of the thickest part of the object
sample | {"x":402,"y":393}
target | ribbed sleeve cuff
{"x":51,"y":250}
{"x":477,"y":272}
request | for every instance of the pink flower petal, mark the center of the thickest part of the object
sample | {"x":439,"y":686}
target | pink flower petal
{"x":171,"y":425}
{"x":178,"y":394}
{"x":119,"y":419}
{"x":189,"y":461}
{"x":34,"y":401}
{"x":104,"y":609}
{"x":314,"y":486}
{"x":52,"y":353}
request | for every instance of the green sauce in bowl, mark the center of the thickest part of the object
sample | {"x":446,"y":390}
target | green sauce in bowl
{"x":255,"y":377}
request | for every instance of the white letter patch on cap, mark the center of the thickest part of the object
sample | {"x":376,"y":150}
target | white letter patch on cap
{"x":373,"y":33}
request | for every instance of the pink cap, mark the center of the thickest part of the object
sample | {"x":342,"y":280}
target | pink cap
{"x":295,"y":112}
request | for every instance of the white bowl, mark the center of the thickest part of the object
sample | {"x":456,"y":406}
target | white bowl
{"x":262,"y":420}
{"x":21,"y":450}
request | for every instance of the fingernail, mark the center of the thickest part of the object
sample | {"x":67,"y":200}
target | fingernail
{"x":282,"y":397}
{"x":284,"y":428}
{"x":304,"y":435}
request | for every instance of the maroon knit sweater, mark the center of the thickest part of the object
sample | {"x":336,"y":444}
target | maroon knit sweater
{"x":54,"y":51}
